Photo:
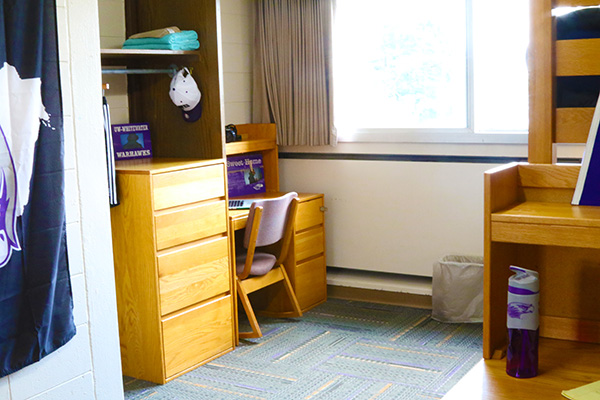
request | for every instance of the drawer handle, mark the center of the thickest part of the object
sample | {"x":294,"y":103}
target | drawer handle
{"x":323,"y":209}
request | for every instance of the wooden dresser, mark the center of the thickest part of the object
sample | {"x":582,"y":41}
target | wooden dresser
{"x":174,"y":286}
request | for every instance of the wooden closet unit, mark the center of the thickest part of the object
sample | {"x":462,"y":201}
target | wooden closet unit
{"x":175,"y":294}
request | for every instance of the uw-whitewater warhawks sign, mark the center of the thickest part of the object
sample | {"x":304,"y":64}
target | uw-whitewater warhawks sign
{"x":35,"y":290}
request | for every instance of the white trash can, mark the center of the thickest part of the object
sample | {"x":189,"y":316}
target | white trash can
{"x":457,"y":289}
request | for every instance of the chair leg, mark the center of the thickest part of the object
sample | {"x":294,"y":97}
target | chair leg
{"x":297,"y":312}
{"x":256,"y":333}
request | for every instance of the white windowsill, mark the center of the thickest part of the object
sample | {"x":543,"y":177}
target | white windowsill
{"x":429,"y":136}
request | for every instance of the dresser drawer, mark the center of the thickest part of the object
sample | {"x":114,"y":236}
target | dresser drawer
{"x":309,"y":214}
{"x":196,"y":335}
{"x":188,"y":186}
{"x":193,"y":274}
{"x":310,"y":282}
{"x":309,"y":243}
{"x":191,"y":223}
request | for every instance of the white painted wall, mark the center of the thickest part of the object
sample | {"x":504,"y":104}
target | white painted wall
{"x":87,"y":367}
{"x":396,"y":217}
{"x":237,"y":39}
{"x":111,"y":15}
{"x":399,"y":217}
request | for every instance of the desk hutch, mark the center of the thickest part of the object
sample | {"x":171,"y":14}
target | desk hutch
{"x":171,"y":237}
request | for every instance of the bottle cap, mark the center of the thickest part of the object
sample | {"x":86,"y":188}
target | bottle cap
{"x":525,"y":281}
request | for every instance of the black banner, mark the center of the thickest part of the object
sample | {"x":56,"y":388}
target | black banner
{"x":36,"y":305}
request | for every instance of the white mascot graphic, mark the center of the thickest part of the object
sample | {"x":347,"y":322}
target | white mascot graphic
{"x":21,"y":111}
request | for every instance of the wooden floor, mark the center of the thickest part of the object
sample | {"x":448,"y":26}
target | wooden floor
{"x":563,"y":365}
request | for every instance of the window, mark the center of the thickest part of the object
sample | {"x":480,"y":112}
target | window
{"x":441,"y":70}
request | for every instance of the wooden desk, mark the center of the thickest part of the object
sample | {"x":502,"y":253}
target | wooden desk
{"x":529,"y":222}
{"x":305,"y":263}
{"x":238,"y":219}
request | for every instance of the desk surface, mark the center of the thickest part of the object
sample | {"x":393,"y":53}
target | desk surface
{"x":238,"y":218}
{"x":563,"y":365}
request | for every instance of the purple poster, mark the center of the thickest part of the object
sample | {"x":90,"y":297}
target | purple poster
{"x":245,"y":175}
{"x":131,"y":141}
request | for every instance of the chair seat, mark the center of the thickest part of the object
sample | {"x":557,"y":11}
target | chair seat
{"x":261,"y":264}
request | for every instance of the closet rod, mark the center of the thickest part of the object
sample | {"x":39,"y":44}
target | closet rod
{"x":126,"y":71}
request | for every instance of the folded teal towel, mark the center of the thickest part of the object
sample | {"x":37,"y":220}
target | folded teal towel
{"x":171,"y":38}
{"x":189,"y":45}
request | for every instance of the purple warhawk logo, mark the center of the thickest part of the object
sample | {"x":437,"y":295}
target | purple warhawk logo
{"x":21,"y":112}
{"x":516,"y":309}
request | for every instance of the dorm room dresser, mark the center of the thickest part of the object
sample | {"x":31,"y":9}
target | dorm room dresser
{"x":174,"y":286}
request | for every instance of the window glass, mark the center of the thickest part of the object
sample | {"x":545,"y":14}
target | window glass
{"x":455,"y":65}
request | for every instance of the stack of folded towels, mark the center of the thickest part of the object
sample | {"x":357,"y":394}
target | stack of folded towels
{"x":171,"y":38}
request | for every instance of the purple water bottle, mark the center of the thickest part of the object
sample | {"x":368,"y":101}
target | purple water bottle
{"x":523,"y":323}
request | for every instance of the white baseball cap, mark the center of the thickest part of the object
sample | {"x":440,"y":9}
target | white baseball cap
{"x":185,"y":94}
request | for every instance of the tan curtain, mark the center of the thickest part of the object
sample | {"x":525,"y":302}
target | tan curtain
{"x":292,"y":70}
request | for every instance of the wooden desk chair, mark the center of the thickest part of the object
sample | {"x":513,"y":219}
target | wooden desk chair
{"x":270,"y":221}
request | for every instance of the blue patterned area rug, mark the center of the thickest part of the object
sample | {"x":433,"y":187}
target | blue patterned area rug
{"x":338,"y":350}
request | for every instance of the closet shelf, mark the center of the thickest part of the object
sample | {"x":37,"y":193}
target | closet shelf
{"x":137,"y":58}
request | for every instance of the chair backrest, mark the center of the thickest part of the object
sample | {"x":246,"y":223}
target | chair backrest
{"x":273,"y":222}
